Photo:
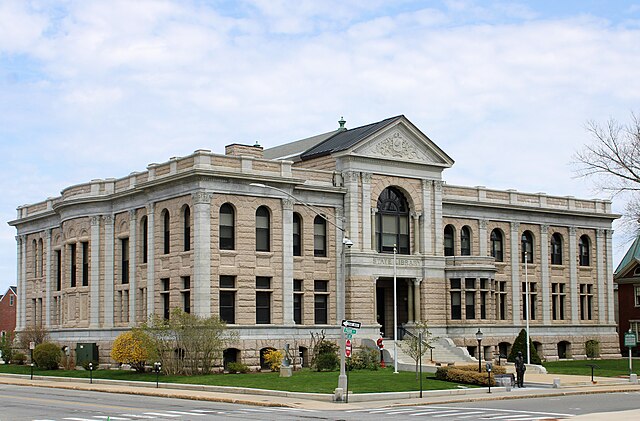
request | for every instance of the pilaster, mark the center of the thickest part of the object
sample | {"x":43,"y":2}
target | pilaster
{"x":437,"y":217}
{"x":94,"y":275}
{"x":515,"y":273}
{"x":133,"y":284}
{"x":202,"y":253}
{"x":416,"y":299}
{"x":416,"y":232}
{"x":609,"y":276}
{"x":108,"y":271}
{"x":351,"y":183}
{"x":544,"y":273}
{"x":151,"y":259}
{"x":427,"y":218}
{"x":367,"y":226}
{"x":482,"y":237}
{"x":47,"y":319}
{"x":573,"y":274}
{"x":340,"y":266}
{"x":287,"y":261}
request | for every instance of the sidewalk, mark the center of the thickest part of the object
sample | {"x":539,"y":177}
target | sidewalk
{"x":539,"y":385}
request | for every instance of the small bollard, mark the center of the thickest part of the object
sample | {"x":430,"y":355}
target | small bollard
{"x":556,"y":383}
{"x":633,"y":378}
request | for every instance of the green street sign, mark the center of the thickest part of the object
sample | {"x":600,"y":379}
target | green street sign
{"x":354,"y":331}
{"x":630,"y":339}
{"x":349,"y":336}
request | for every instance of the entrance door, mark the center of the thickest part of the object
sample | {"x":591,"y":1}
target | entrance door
{"x":380,"y":316}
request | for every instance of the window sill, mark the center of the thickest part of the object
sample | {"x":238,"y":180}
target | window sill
{"x":228,"y":252}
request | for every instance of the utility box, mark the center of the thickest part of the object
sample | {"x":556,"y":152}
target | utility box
{"x":86,"y":352}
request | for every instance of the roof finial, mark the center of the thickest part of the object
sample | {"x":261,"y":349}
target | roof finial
{"x":257,"y":144}
{"x":342,"y":122}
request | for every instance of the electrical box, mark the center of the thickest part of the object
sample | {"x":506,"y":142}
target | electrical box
{"x":86,"y":352}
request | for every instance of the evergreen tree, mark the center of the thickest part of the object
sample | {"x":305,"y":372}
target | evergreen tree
{"x":520,"y":345}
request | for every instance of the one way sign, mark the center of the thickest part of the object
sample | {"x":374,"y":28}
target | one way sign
{"x":349,"y":323}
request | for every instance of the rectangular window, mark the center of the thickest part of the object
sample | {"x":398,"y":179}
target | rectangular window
{"x":165,"y":294}
{"x":586,"y":301}
{"x":456,"y":299}
{"x":637,"y":295}
{"x":470,"y":298}
{"x":501,"y":300}
{"x":124,"y":261}
{"x":73,"y":265}
{"x":186,"y":294}
{"x":263,"y":300}
{"x":298,"y":298}
{"x":85,"y":264}
{"x":58,"y":270}
{"x":557,"y":301}
{"x":533,"y":299}
{"x":11,"y":297}
{"x":228,"y":299}
{"x":321,"y":302}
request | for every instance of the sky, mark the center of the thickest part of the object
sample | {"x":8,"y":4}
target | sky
{"x":99,"y":89}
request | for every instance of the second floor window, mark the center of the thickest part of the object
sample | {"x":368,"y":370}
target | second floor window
{"x":73,"y":265}
{"x":263,"y":228}
{"x":527,"y":246}
{"x":186,"y":229}
{"x":124,"y":263}
{"x":465,"y":241}
{"x":167,"y":231}
{"x":392,"y":222}
{"x":584,"y":246}
{"x":227,"y":227}
{"x":145,"y":239}
{"x":449,"y":246}
{"x":556,"y":249}
{"x":319,"y":237}
{"x":496,"y":245}
{"x":297,"y":235}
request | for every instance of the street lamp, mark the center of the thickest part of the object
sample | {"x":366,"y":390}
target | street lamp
{"x":526,"y":305}
{"x":91,"y":373}
{"x":395,"y":314}
{"x":479,"y":339}
{"x":157,"y":366}
{"x":346,"y":244}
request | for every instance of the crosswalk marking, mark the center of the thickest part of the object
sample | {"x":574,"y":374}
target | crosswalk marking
{"x":106,"y":417}
{"x":161,"y":415}
{"x":185,"y":413}
{"x":464,"y":413}
{"x":146,"y":417}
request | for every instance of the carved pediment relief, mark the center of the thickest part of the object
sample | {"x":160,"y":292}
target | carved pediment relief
{"x":397,"y":145}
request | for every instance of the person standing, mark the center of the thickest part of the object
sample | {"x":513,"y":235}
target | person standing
{"x":520,"y":369}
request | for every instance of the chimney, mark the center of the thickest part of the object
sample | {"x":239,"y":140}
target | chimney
{"x":236,"y":149}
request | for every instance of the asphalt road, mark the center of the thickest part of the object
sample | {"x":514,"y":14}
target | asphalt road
{"x":34,"y":403}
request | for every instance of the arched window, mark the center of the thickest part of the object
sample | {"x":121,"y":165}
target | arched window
{"x":35,"y":258}
{"x":556,"y":249}
{"x":319,"y":237}
{"x":496,"y":245}
{"x":449,"y":243}
{"x":41,"y":257}
{"x":297,"y":234}
{"x":263,"y":240}
{"x":145,"y":239}
{"x":527,"y":246}
{"x":167,"y":231}
{"x":392,"y":222}
{"x":227,"y":227}
{"x":465,"y":241}
{"x":186,"y":239}
{"x":584,"y":247}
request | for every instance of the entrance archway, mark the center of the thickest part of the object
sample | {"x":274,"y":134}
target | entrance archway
{"x":384,"y":304}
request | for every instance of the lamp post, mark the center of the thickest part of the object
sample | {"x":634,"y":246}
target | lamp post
{"x":157,"y":366}
{"x":32,"y":346}
{"x":395,"y":314}
{"x":526,"y":304}
{"x":346,"y":244}
{"x":90,"y":373}
{"x":479,"y":339}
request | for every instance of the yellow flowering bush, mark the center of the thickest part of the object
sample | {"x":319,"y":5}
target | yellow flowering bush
{"x":134,"y":348}
{"x":273,"y":357}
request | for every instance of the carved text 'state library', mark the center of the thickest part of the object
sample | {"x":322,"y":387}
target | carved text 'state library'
{"x":287,"y":241}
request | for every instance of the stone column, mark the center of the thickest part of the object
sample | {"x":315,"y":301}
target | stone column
{"x":20,"y":313}
{"x":374,"y":211}
{"x":94,"y":275}
{"x":515,"y":273}
{"x":351,"y":201}
{"x":416,"y":300}
{"x":410,"y":302}
{"x":437,"y":222}
{"x":600,"y":269}
{"x":544,"y":273}
{"x":427,"y":218}
{"x":573,"y":275}
{"x":47,"y":320}
{"x":287,"y":261}
{"x":367,"y":223}
{"x":202,"y":253}
{"x":483,"y":238}
{"x":151,"y":259}
{"x":609,"y":277}
{"x":416,"y":232}
{"x":133,"y":284}
{"x":107,"y":301}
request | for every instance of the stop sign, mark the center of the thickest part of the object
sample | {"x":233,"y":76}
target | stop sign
{"x":347,"y":348}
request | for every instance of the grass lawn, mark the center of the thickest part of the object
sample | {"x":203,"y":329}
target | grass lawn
{"x":605,"y":368}
{"x":361,"y":381}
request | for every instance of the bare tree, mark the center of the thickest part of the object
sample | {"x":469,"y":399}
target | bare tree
{"x":412,"y":346}
{"x":613,"y":160}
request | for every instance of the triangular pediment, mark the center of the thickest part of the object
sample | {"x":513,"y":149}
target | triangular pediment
{"x":402,"y":142}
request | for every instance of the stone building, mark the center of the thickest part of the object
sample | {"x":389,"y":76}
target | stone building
{"x":258,"y":237}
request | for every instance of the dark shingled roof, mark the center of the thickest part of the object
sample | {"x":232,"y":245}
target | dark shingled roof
{"x":631,"y":257}
{"x":345,"y":139}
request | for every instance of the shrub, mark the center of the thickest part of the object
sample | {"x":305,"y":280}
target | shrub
{"x":364,"y":359}
{"x":47,"y":356}
{"x":18,"y":358}
{"x":237,"y":368}
{"x":326,"y":356}
{"x":273,"y":357}
{"x":5,"y":347}
{"x":468,"y":374}
{"x":592,"y":348}
{"x":520,"y":345}
{"x":134,"y":348}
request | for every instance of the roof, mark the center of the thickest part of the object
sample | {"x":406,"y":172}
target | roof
{"x":293,"y":150}
{"x":630,"y":259}
{"x":345,"y":139}
{"x":14,"y":289}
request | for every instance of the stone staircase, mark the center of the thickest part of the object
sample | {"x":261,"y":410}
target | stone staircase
{"x":444,"y":352}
